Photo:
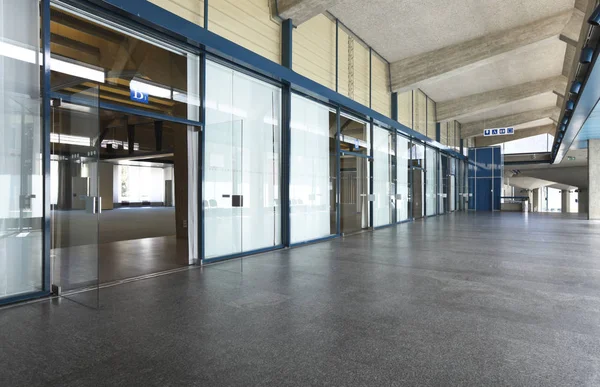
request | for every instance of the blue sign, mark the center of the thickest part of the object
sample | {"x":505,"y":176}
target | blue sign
{"x":138,"y":96}
{"x":498,"y":131}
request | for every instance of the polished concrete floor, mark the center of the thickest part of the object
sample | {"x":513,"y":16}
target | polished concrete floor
{"x":460,"y":300}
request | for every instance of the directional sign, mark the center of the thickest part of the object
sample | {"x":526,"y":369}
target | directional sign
{"x":498,"y":132}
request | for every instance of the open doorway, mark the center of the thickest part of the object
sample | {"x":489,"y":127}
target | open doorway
{"x":355,"y":147}
{"x":119,"y":195}
{"x":417,"y":164}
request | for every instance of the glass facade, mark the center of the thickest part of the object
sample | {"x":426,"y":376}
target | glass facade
{"x":402,"y":178}
{"x":311,"y":189}
{"x":431,"y":175}
{"x":21,"y":150}
{"x":118,"y":93}
{"x":383,"y":186}
{"x":242,"y":181}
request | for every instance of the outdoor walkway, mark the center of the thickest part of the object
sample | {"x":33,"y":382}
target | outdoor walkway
{"x":463,"y":299}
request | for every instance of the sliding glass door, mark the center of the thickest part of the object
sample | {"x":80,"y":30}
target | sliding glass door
{"x":402,"y":177}
{"x":242,"y":162}
{"x":384,"y":189}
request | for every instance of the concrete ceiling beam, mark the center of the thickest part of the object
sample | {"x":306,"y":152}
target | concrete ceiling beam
{"x":432,"y":66}
{"x":570,"y":34}
{"x":302,"y":10}
{"x":476,"y":128}
{"x":460,"y":107}
{"x":519,"y":134}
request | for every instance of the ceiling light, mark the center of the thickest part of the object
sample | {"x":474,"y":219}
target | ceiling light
{"x":575,"y":87}
{"x":563,"y":128}
{"x":570,"y":105}
{"x":145,"y":87}
{"x":25,"y":54}
{"x":565,"y":120}
{"x":587,"y":54}
{"x":595,"y":17}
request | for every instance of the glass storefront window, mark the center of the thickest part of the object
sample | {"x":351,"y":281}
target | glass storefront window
{"x":431,"y":165}
{"x":21,"y":173}
{"x":402,"y":186}
{"x":242,"y":162}
{"x":311,"y":186}
{"x":130,"y":70}
{"x":383,"y":187}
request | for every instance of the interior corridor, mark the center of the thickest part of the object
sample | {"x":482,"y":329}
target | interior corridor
{"x":463,"y":299}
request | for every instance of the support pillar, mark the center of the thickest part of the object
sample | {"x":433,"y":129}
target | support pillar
{"x":566,"y":201}
{"x":593,"y":194}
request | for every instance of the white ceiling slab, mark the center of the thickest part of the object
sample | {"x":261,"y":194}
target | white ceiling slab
{"x":533,"y":103}
{"x":400,"y":29}
{"x":536,"y":61}
{"x":533,"y":124}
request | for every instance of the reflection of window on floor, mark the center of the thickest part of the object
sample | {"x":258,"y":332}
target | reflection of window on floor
{"x":139,"y":184}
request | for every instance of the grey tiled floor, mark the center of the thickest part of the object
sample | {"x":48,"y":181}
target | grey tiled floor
{"x":463,"y":299}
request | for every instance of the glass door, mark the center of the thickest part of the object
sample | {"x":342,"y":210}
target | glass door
{"x":354,"y":206}
{"x":75,"y":199}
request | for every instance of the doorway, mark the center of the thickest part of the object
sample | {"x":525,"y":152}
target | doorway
{"x":354,"y":206}
{"x":418,"y":197}
{"x":119,"y":195}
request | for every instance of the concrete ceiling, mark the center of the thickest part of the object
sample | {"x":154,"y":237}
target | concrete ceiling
{"x":533,"y":103}
{"x":530,"y":63}
{"x":410,"y":33}
{"x":399,"y":29}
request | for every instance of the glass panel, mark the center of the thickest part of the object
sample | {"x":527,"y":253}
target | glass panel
{"x":75,"y":146}
{"x":383,"y":188}
{"x":402,"y":186}
{"x":355,"y":135}
{"x":354,"y":205}
{"x":21,"y":174}
{"x":310,"y":197}
{"x":430,"y":183}
{"x":242,"y":158}
{"x":131,"y":70}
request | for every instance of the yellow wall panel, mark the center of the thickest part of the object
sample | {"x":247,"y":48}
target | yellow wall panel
{"x":192,"y":10}
{"x":314,"y":50}
{"x":361,"y":74}
{"x":247,"y":23}
{"x":343,"y":62}
{"x":420,"y":112}
{"x":380,"y":94}
{"x":445,"y":132}
{"x":431,"y":119}
{"x":405,"y":108}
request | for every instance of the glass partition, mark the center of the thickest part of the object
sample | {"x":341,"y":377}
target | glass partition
{"x":242,"y":163}
{"x":132,"y":70}
{"x":431,"y":165}
{"x":310,"y":197}
{"x":383,"y":186}
{"x":21,"y":174}
{"x":402,"y":169}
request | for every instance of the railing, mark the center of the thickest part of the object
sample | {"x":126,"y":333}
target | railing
{"x":513,"y":199}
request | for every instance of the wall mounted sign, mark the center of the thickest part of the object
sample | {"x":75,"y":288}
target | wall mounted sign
{"x":138,"y":96}
{"x":498,"y":132}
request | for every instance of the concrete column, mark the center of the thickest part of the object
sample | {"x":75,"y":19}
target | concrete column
{"x":566,"y":201}
{"x":535,"y":205}
{"x":593,"y":199}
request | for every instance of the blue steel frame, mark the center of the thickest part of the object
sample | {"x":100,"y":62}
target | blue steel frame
{"x":163,"y":22}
